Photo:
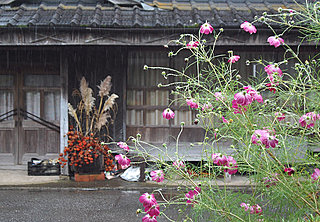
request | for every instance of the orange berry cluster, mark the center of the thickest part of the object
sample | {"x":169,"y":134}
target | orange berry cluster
{"x":83,"y":150}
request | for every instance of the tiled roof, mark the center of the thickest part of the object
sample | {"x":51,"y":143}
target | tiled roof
{"x":135,"y":13}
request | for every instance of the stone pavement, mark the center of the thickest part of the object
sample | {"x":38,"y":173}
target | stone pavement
{"x":16,"y":177}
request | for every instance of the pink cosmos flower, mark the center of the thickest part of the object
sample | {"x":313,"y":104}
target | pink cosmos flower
{"x":280,"y":116}
{"x":248,"y":27}
{"x":308,"y":120}
{"x":264,"y":137}
{"x":233,"y":59}
{"x":273,"y":70}
{"x":207,"y":107}
{"x":316,"y":174}
{"x":157,"y":175}
{"x":232,"y":166}
{"x":219,"y":159}
{"x":219,"y":96}
{"x":253,"y":93}
{"x":191,"y":195}
{"x":275,"y":41}
{"x":237,"y":108}
{"x":123,"y":161}
{"x":124,"y":146}
{"x":245,"y":206}
{"x":224,"y":120}
{"x":206,"y":28}
{"x":192,"y":103}
{"x":271,"y":87}
{"x":289,"y":170}
{"x":153,"y":210}
{"x":168,"y":113}
{"x":255,"y":209}
{"x":147,"y":199}
{"x":178,"y":164}
{"x":149,"y":218}
{"x":243,"y":99}
{"x":192,"y":44}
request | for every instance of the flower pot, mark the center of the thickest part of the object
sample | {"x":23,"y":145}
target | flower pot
{"x":92,"y":168}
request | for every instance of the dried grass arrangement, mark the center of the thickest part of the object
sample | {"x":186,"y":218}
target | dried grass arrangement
{"x":89,"y":118}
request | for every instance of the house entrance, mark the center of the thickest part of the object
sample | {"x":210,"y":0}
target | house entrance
{"x":29,"y":116}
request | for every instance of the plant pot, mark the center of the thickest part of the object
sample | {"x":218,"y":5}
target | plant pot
{"x":92,"y":168}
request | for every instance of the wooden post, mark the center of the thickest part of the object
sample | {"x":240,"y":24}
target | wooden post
{"x":63,"y":104}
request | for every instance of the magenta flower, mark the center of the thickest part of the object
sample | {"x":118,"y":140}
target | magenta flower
{"x":316,"y":174}
{"x":280,"y":116}
{"x":147,"y":199}
{"x":149,"y":218}
{"x":219,"y":96}
{"x":308,"y":120}
{"x":253,"y":93}
{"x":264,"y":137}
{"x":190,"y":196}
{"x":224,"y":120}
{"x":232,"y":166}
{"x":275,"y":41}
{"x":207,"y":107}
{"x":168,"y":113}
{"x":192,"y":44}
{"x":178,"y":164}
{"x":271,"y":87}
{"x":273,"y":70}
{"x":248,"y":27}
{"x":237,"y":108}
{"x":206,"y":28}
{"x":289,"y":171}
{"x":157,"y":175}
{"x":243,"y":98}
{"x":124,"y":146}
{"x":255,"y":209}
{"x":233,"y":59}
{"x":123,"y":161}
{"x":245,"y":206}
{"x":153,"y":210}
{"x":219,"y":159}
{"x":192,"y":103}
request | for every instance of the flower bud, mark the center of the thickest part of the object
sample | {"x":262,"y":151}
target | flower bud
{"x":138,"y":135}
{"x":221,"y":29}
{"x":186,"y":59}
{"x":145,"y":67}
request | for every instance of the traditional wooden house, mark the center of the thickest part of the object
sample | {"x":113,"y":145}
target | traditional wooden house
{"x":46,"y":46}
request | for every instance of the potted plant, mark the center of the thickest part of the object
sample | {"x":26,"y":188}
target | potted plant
{"x":86,"y":153}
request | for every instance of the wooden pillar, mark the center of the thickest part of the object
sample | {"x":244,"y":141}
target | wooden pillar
{"x":63,"y":104}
